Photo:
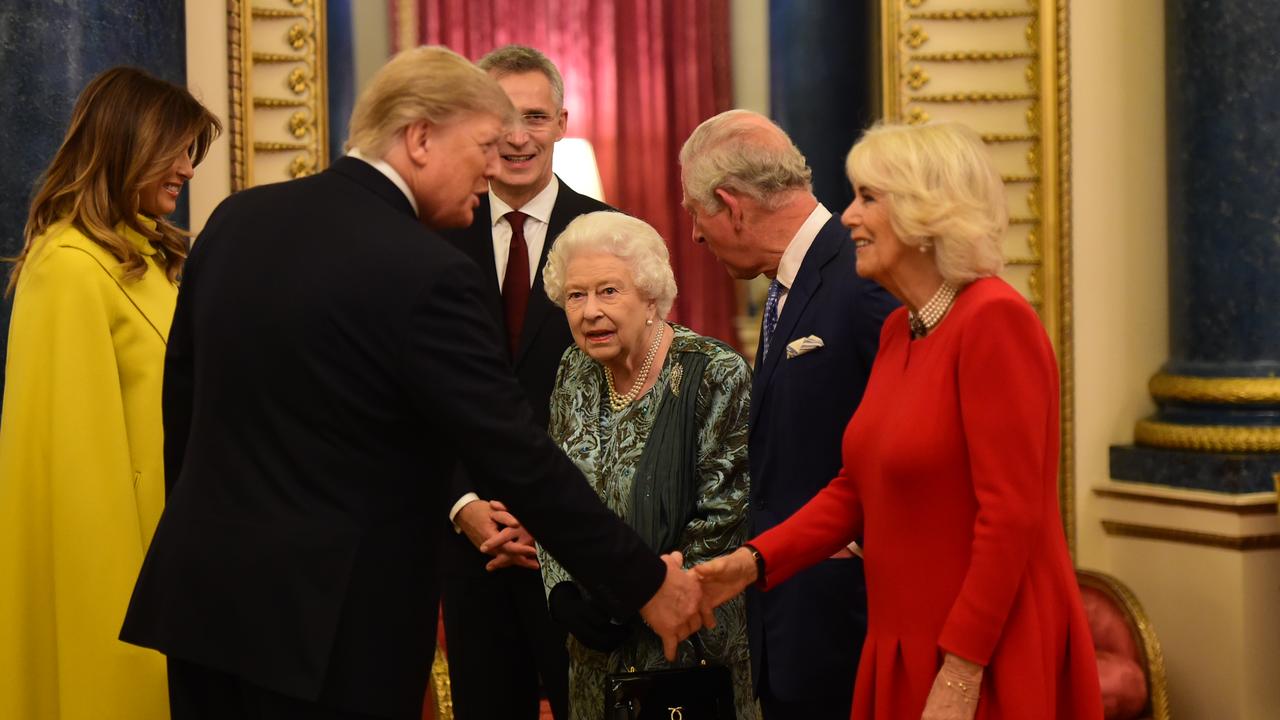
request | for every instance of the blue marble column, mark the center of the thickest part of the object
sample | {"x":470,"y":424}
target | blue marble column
{"x":822,"y":83}
{"x":1218,"y":421}
{"x":49,"y":51}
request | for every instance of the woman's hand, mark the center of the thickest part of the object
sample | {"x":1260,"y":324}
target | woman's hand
{"x":954,"y":695}
{"x":726,"y":576}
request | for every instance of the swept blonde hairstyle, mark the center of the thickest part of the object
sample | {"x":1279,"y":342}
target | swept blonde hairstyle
{"x":746,"y":153}
{"x":943,"y":189}
{"x":126,"y":130}
{"x":629,"y":239}
{"x":428,"y":83}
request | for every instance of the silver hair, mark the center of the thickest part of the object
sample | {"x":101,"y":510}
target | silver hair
{"x":743,"y":152}
{"x":629,"y":239}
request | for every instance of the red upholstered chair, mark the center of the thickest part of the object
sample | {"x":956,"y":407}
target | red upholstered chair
{"x":1130,"y":664}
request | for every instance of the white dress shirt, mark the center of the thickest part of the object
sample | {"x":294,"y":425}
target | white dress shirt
{"x":799,"y":246}
{"x":535,"y":227}
{"x":385,"y":168}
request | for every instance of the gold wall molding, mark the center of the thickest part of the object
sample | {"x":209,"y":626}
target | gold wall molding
{"x":1241,"y":543}
{"x":1207,"y":438}
{"x":1003,"y":70}
{"x":1226,"y":390}
{"x":278,"y":77}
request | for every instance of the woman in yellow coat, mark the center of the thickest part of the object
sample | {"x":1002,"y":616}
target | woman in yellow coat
{"x":81,"y":446}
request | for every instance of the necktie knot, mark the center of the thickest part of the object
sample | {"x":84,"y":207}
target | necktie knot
{"x":515,"y":219}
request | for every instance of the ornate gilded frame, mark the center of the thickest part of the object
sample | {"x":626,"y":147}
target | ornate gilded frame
{"x":1144,"y":636}
{"x":1003,"y":68}
{"x":279,"y":117}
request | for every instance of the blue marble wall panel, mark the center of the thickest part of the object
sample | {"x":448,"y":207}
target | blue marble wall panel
{"x":48,"y":52}
{"x":822,"y":83}
{"x":1223,"y":105}
{"x":342,"y":73}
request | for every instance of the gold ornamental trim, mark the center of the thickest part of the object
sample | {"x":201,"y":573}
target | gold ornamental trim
{"x":975,"y":56}
{"x":1227,"y":390}
{"x":1239,"y":543}
{"x":441,"y":687}
{"x":975,"y":97}
{"x":971,"y":15}
{"x":1207,"y":438}
{"x":1146,"y":636}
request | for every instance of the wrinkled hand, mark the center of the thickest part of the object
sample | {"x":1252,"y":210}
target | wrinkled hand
{"x":676,"y":611}
{"x":477,"y":520}
{"x":954,"y":695}
{"x":726,"y":576}
{"x":513,"y":545}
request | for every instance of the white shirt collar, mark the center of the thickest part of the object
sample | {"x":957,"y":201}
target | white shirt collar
{"x":539,"y":207}
{"x":385,"y":168}
{"x":789,"y":265}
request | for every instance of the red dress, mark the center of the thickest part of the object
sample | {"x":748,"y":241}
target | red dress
{"x":949,"y":481}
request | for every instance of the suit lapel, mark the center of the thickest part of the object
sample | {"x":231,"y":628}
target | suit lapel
{"x":540,"y":307}
{"x":825,"y":247}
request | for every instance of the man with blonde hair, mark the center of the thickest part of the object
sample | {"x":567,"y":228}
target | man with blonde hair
{"x":328,"y":363}
{"x":502,"y":610}
{"x":748,"y":190}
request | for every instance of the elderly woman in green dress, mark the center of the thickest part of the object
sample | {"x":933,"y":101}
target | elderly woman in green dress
{"x":655,"y":415}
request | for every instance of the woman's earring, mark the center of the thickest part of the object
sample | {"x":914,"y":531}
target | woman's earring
{"x":649,"y":321}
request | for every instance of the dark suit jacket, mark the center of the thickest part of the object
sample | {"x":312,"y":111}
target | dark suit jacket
{"x":329,"y":359}
{"x":543,"y":339}
{"x":812,"y":625}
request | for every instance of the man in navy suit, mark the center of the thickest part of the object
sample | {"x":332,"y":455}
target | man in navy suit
{"x":748,"y":189}
{"x":503,"y":613}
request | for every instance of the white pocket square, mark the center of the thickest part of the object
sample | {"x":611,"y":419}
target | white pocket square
{"x":796,"y":348}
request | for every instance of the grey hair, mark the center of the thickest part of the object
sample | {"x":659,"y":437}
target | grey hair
{"x":943,"y":190}
{"x":744,"y":152}
{"x":514,"y":59}
{"x":629,"y":239}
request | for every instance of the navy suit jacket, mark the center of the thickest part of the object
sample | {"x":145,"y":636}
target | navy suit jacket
{"x":543,"y":339}
{"x":811,"y":626}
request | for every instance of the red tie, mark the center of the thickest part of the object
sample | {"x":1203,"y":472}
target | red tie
{"x":515,"y":283}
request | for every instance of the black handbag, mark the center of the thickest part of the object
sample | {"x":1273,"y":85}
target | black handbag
{"x":702,"y":692}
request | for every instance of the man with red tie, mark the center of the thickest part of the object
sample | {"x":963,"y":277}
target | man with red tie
{"x":501,"y":640}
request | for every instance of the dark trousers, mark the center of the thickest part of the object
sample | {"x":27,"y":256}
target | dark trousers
{"x":831,"y":707}
{"x":200,"y":693}
{"x":500,"y":641}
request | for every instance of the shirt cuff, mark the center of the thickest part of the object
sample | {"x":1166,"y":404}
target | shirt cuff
{"x":457,"y":507}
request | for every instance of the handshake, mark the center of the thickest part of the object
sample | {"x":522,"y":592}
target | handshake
{"x":684,"y":602}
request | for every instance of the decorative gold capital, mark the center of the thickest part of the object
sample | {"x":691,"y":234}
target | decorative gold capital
{"x":1223,"y":391}
{"x":1207,"y":438}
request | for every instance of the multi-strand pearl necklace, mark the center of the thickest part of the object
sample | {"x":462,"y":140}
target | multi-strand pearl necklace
{"x":930,"y":315}
{"x":616,"y":401}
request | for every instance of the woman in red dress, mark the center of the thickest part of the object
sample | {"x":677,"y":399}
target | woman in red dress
{"x":950,"y":463}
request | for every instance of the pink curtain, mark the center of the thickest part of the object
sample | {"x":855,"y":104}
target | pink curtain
{"x":639,"y":76}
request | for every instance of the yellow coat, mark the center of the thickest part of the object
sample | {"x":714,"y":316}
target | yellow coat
{"x":81,"y":481}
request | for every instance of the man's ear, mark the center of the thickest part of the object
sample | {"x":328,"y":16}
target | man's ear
{"x":732,"y":204}
{"x":417,"y":140}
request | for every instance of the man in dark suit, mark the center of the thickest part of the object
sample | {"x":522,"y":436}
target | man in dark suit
{"x":748,"y":189}
{"x":503,"y":612}
{"x":329,"y":359}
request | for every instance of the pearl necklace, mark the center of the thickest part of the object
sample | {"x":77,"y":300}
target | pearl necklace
{"x":930,"y":315}
{"x":616,"y":401}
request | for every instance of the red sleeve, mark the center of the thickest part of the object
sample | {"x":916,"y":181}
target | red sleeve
{"x":1008,"y":401}
{"x":825,"y":524}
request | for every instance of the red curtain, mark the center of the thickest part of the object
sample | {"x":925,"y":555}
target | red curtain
{"x":639,"y":76}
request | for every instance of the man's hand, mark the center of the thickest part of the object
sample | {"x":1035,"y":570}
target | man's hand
{"x":513,"y":545}
{"x":726,"y":576}
{"x":675,"y":612}
{"x":477,"y":519}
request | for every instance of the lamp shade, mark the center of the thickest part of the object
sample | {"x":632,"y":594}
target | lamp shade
{"x":575,"y":163}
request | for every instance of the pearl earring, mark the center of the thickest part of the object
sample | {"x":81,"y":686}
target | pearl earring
{"x":649,"y":321}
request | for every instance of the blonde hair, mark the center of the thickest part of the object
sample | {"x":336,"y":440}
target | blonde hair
{"x":433,"y":84}
{"x":629,"y":239}
{"x":746,"y":153}
{"x":126,"y":130}
{"x":516,"y":59}
{"x":943,"y":189}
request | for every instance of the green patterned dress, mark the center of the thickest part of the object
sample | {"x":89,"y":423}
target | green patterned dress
{"x":606,"y":447}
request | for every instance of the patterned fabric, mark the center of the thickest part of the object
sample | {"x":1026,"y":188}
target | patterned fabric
{"x":606,"y":446}
{"x":771,"y":314}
